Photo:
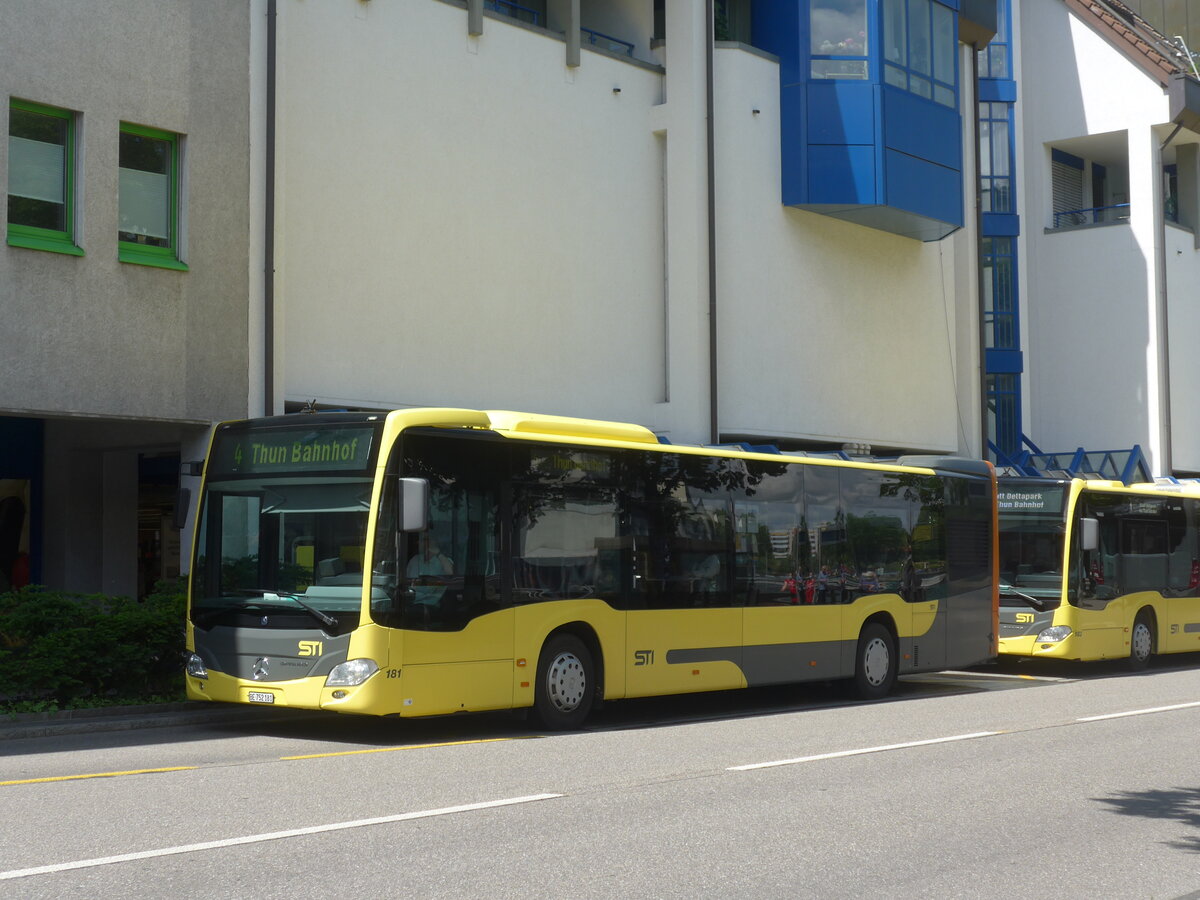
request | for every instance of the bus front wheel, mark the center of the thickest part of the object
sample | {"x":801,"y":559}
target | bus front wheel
{"x":1141,"y":641}
{"x":566,"y":683}
{"x":875,"y":663}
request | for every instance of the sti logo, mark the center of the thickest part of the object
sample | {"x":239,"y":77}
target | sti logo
{"x":310,"y":648}
{"x":643,"y":657}
{"x":1025,"y":617}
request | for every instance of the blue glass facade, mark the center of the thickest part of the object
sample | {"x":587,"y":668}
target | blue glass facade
{"x":21,"y":443}
{"x":999,"y":227}
{"x":869,"y":93}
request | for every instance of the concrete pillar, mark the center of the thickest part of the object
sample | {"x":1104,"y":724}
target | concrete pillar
{"x":119,"y":522}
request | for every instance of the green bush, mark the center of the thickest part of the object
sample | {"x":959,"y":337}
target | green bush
{"x":62,"y":650}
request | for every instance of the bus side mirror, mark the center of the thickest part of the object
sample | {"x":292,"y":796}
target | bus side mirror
{"x":1089,"y":534}
{"x":413,"y":500}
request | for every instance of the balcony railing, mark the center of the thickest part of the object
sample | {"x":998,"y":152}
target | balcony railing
{"x":606,"y":42}
{"x":588,"y":36}
{"x":1097,"y":215}
{"x":1126,"y":466}
{"x":514,"y":11}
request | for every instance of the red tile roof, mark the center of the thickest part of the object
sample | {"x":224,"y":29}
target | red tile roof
{"x":1158,"y":56}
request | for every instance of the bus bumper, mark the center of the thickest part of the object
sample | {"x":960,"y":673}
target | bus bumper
{"x":1029,"y":647}
{"x":302,"y":693}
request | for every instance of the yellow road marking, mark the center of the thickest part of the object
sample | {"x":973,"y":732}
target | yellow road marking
{"x":309,"y":756}
{"x":97,"y":775}
{"x":404,"y":747}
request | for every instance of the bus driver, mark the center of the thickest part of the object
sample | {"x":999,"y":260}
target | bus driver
{"x":429,"y":568}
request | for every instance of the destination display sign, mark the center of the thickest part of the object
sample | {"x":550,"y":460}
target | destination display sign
{"x":1018,"y":498}
{"x":277,"y":451}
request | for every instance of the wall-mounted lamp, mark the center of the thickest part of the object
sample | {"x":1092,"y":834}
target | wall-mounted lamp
{"x":755,"y":111}
{"x":616,"y":90}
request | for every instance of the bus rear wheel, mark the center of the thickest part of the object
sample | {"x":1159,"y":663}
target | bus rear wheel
{"x":1141,"y":641}
{"x":875,"y":663}
{"x":566,"y":683}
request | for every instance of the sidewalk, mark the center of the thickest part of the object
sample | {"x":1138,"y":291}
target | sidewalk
{"x":128,"y":718}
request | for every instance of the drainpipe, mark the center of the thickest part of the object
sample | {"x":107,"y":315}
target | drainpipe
{"x":269,"y":223}
{"x":714,"y":430}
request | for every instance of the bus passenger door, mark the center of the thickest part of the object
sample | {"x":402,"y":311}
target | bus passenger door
{"x":683,"y":629}
{"x":1144,"y":572}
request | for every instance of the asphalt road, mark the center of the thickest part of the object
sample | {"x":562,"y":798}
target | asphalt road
{"x":1034,"y":782}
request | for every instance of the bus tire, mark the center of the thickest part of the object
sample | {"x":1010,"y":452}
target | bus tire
{"x":875,"y":663}
{"x":566,"y":683}
{"x":1141,"y":641}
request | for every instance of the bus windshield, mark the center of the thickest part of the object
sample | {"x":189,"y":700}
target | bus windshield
{"x":283,"y":519}
{"x":1031,"y":536}
{"x":264,"y":537}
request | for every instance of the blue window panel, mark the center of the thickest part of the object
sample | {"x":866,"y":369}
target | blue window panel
{"x":793,"y":144}
{"x":886,"y":156}
{"x":776,"y":27}
{"x":1001,"y":225}
{"x":841,"y":113}
{"x":922,"y":128}
{"x":1004,"y":362}
{"x":841,"y":175}
{"x":1004,"y":412}
{"x":921,"y":187}
{"x":22,"y":446}
{"x":996,"y":90}
{"x":1068,"y":159}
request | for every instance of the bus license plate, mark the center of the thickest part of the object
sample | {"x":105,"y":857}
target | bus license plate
{"x":260,"y":697}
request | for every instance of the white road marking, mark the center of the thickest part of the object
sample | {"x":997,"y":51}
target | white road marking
{"x":860,"y":752}
{"x":272,"y":836}
{"x":1138,"y":712}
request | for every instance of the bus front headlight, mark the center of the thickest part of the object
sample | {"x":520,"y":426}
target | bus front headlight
{"x":1054,"y":634}
{"x":350,"y":673}
{"x":195,"y":666}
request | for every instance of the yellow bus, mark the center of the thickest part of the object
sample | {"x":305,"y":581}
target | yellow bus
{"x":1094,"y":570}
{"x":431,"y":561}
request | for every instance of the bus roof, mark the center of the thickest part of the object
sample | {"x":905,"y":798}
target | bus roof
{"x":538,"y":426}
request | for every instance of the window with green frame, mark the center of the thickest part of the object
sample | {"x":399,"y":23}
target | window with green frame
{"x":41,"y":176}
{"x":148,"y":208}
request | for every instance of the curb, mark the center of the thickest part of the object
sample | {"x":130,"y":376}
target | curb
{"x":130,"y":718}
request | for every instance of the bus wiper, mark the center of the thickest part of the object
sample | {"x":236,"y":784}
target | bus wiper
{"x":325,"y":619}
{"x":1007,"y":590}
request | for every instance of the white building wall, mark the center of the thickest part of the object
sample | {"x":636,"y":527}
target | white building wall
{"x":469,"y":222}
{"x":1089,"y":300}
{"x":1183,"y":317}
{"x":1086,"y":355}
{"x":489,"y":230}
{"x":829,"y":331}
